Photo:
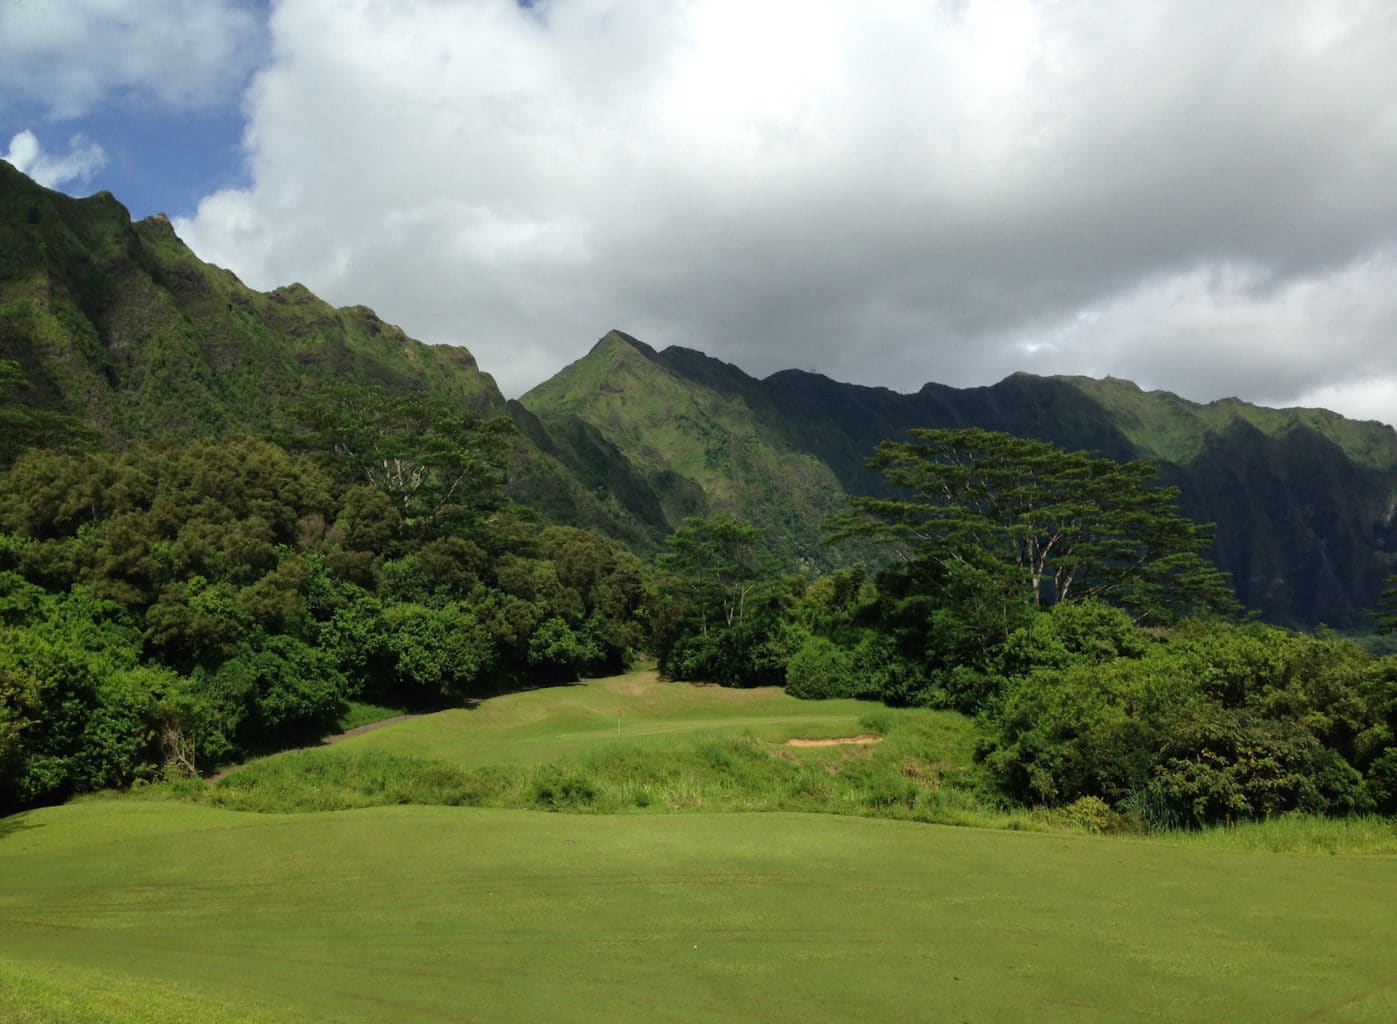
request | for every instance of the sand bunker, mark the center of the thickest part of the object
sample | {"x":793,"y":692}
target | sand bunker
{"x":839,"y":741}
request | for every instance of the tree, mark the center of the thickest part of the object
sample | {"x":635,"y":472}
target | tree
{"x":716,"y":611}
{"x":23,"y":427}
{"x":721,"y":563}
{"x":1387,"y":612}
{"x":439,"y":465}
{"x":992,"y":513}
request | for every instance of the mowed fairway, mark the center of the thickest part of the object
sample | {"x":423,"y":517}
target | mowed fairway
{"x":124,"y":910}
{"x":561,"y":721}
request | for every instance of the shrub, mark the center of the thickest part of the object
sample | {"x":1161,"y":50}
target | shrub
{"x":821,"y":669}
{"x":560,"y":789}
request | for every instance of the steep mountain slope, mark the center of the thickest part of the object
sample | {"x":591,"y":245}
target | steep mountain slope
{"x":119,"y":324}
{"x":696,"y":443}
{"x":1303,"y":499}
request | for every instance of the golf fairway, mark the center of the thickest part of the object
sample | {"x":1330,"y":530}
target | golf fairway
{"x":130,"y":911}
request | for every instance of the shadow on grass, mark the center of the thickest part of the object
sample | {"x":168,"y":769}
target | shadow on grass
{"x":14,"y":823}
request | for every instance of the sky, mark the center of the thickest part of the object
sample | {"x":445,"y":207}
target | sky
{"x":1193,"y":195}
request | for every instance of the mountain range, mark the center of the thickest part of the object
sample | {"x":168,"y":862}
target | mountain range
{"x":119,"y":324}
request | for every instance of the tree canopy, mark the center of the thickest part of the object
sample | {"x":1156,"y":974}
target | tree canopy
{"x":1033,"y":519}
{"x":439,"y":465}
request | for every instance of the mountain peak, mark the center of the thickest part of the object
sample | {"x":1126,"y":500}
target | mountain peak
{"x":616,"y":337}
{"x":161,"y":223}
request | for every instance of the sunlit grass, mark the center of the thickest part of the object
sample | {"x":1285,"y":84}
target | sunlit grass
{"x":437,"y":913}
{"x":1297,"y":833}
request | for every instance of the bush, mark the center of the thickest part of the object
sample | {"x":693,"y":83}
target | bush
{"x":559,"y":789}
{"x":821,"y":669}
{"x":1092,"y":814}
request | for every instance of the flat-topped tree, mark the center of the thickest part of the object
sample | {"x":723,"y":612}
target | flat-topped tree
{"x":440,"y":466}
{"x":1037,"y":521}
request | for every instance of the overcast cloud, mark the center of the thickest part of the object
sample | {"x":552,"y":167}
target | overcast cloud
{"x":1193,"y":195}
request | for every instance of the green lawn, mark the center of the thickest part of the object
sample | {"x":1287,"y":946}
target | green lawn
{"x":118,"y":911}
{"x":562,"y":721}
{"x":109,"y":908}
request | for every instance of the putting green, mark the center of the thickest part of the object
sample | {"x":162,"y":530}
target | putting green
{"x":562,"y":721}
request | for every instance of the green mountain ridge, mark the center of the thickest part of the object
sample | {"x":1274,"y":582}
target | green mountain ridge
{"x":697,"y":448}
{"x":120,"y":325}
{"x":1303,"y":499}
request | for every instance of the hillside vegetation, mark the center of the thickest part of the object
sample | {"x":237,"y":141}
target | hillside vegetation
{"x":127,"y":910}
{"x":117,"y":325}
{"x":1302,"y":499}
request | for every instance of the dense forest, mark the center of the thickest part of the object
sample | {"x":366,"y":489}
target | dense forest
{"x":174,"y":606}
{"x":231,"y":522}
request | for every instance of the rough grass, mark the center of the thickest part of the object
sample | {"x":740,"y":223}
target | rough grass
{"x":358,"y":713}
{"x":686,"y":748}
{"x":1297,"y":833}
{"x":673,"y":748}
{"x":128,"y":911}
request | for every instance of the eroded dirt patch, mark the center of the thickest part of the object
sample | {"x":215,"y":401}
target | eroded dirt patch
{"x":839,"y":741}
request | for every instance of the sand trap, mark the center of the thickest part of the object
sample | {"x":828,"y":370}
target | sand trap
{"x":840,"y":741}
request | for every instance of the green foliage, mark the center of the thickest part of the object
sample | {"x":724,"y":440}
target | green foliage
{"x":438,"y":651}
{"x":440,"y":466}
{"x":1068,"y":633}
{"x":994,"y":514}
{"x":219,"y":597}
{"x":716,"y":609}
{"x":72,"y":713}
{"x":23,"y":427}
{"x":719,"y":563}
{"x":1218,"y":724}
{"x":822,"y":669}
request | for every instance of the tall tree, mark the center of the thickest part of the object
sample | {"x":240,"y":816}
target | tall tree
{"x":720,"y":562}
{"x":441,"y":466}
{"x":1050,"y":524}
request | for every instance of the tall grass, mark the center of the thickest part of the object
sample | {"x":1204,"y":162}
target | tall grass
{"x":1296,"y":833}
{"x":921,"y":769}
{"x":711,"y":774}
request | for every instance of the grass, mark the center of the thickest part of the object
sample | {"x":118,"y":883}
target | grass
{"x":633,"y":743}
{"x":557,"y":722}
{"x":683,"y":749}
{"x":120,"y":911}
{"x":1298,"y":833}
{"x":358,"y":712}
{"x":435,"y":913}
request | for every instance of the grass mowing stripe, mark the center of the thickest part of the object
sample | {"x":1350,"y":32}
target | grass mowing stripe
{"x":424,"y":913}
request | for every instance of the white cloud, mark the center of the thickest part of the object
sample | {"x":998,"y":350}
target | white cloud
{"x":1193,"y":194}
{"x":83,"y":158}
{"x":68,"y":56}
{"x":1230,"y":329}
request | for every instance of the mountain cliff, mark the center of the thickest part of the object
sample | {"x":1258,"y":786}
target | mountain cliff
{"x":1303,"y":499}
{"x":120,"y":325}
